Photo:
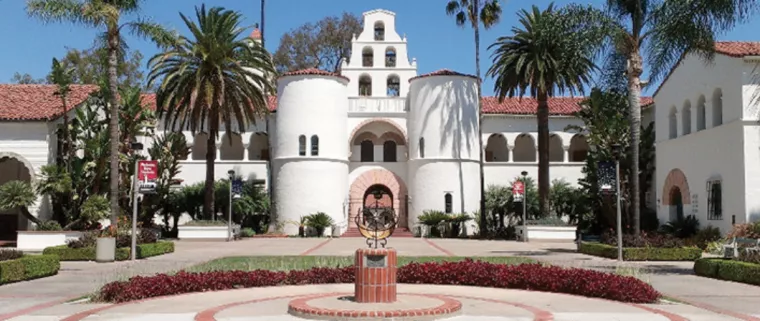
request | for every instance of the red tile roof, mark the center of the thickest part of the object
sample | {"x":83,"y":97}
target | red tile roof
{"x":313,"y":71}
{"x":442,"y":72}
{"x":255,"y":34}
{"x":38,"y":102}
{"x":738,"y":48}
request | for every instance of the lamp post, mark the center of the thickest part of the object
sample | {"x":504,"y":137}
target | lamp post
{"x":133,"y":251}
{"x":231,"y":173}
{"x":525,"y":207}
{"x":616,"y":155}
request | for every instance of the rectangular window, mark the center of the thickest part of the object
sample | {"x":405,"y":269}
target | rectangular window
{"x":715,"y":201}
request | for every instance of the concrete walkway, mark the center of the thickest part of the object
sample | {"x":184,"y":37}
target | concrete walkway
{"x":76,"y":279}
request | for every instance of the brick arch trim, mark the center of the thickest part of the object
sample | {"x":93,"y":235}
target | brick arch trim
{"x":361,"y":125}
{"x":378,"y":177}
{"x":676,"y":178}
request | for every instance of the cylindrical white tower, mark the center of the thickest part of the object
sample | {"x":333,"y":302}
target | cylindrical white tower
{"x":310,"y":158}
{"x":443,"y":143}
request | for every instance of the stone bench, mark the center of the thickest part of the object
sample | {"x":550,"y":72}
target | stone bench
{"x":731,"y":249}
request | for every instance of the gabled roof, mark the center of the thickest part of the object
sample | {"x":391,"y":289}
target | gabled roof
{"x":735,"y":49}
{"x":38,"y":102}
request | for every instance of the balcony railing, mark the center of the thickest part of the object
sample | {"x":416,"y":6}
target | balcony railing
{"x":377,"y":105}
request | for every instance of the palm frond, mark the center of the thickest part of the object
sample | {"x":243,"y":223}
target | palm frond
{"x":146,"y":28}
{"x":58,"y":11}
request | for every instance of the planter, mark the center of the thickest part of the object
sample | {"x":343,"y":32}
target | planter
{"x":36,"y":241}
{"x":335,"y":231}
{"x":206,"y":233}
{"x":548,"y":233}
{"x":105,"y":249}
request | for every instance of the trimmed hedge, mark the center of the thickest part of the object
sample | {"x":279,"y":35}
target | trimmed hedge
{"x":642,"y":253}
{"x":729,"y":270}
{"x":146,"y":250}
{"x":28,"y":267}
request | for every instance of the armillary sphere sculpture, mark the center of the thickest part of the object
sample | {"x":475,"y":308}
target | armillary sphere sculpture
{"x":376,"y":223}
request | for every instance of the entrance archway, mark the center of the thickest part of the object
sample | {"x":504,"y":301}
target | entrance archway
{"x":676,"y":203}
{"x":13,"y":167}
{"x":676,"y":194}
{"x":391,"y":185}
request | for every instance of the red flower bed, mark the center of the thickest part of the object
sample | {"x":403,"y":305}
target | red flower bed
{"x":533,"y":277}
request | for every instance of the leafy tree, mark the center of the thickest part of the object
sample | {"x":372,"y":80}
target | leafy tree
{"x":475,"y":12}
{"x":90,"y":66}
{"x":170,"y":149}
{"x":317,"y":45}
{"x":26,"y":79}
{"x":659,"y":33}
{"x":550,"y":53}
{"x":107,"y":16}
{"x":218,"y":78}
{"x":568,"y":200}
{"x":20,"y":195}
{"x":605,"y":123}
{"x":62,"y":78}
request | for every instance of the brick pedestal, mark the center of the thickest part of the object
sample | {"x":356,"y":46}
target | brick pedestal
{"x":375,"y":276}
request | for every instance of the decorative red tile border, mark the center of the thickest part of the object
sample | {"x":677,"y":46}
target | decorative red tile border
{"x":311,"y":250}
{"x":439,"y":248}
{"x":711,"y":308}
{"x":670,"y":316}
{"x":538,"y":314}
{"x":33,"y":308}
{"x":300,"y":307}
{"x":208,"y":314}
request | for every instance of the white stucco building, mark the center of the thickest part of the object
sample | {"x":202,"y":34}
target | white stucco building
{"x":378,"y":124}
{"x":708,"y":138}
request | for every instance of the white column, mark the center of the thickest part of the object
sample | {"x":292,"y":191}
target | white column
{"x":511,"y":153}
{"x":218,"y":151}
{"x":566,"y":154}
{"x":246,"y":157}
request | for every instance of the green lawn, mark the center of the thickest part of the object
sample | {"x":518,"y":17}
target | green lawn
{"x":287,"y":263}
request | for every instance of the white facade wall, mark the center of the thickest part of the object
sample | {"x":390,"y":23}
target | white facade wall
{"x":308,"y":184}
{"x":443,"y":112}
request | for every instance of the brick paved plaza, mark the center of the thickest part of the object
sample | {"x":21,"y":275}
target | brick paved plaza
{"x":55,"y":298}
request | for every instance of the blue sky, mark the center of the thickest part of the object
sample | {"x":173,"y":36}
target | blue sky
{"x":433,"y":37}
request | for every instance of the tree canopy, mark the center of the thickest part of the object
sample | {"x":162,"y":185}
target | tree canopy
{"x":318,"y":45}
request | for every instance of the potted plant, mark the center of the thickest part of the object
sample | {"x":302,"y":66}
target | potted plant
{"x":456,"y":221}
{"x":302,"y":226}
{"x":105,"y":245}
{"x":432,"y":220}
{"x":319,"y":222}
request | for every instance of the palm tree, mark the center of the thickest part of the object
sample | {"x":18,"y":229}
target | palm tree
{"x":659,"y":33}
{"x":62,"y":78}
{"x":489,"y":13}
{"x":550,"y":53}
{"x":214,"y":79}
{"x":106,"y":15}
{"x":18,"y":194}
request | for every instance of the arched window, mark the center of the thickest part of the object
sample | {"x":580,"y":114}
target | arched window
{"x":525,"y":149}
{"x":394,"y":86}
{"x":368,"y":57}
{"x":367,"y":151}
{"x":701,"y":113}
{"x":365,"y":85}
{"x":686,"y":118}
{"x":717,"y":107}
{"x":556,"y":151}
{"x":302,"y":145}
{"x":496,"y":149}
{"x":390,"y":57}
{"x":422,"y":147}
{"x":448,"y":203}
{"x":673,"y":123}
{"x":578,"y":149}
{"x":314,"y":145}
{"x":389,"y":151}
{"x":379,"y":31}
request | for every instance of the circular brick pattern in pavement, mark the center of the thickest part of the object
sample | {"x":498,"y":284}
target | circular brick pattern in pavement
{"x":342,"y":307}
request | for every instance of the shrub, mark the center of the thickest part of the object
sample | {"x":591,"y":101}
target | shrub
{"x":205,"y":223}
{"x":65,"y":253}
{"x":88,"y":239}
{"x":319,"y":221}
{"x":28,"y":267}
{"x":247,"y":232}
{"x":534,"y":277}
{"x":749,"y":230}
{"x":683,"y":227}
{"x":645,"y":240}
{"x":548,"y":221}
{"x":9,"y":254}
{"x":642,"y":253}
{"x":49,"y":226}
{"x":706,"y":236}
{"x":727,"y":269}
{"x":749,"y":256}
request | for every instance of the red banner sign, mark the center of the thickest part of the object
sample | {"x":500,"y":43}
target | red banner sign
{"x":518,"y":188}
{"x":147,"y":170}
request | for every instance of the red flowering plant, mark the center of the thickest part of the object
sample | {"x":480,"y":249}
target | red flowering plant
{"x":534,"y":277}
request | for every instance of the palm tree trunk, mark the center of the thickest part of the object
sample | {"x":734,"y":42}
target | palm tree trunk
{"x":476,"y":26}
{"x":208,"y":203}
{"x":542,"y":115}
{"x":25,"y":212}
{"x":635,"y":69}
{"x":113,"y":47}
